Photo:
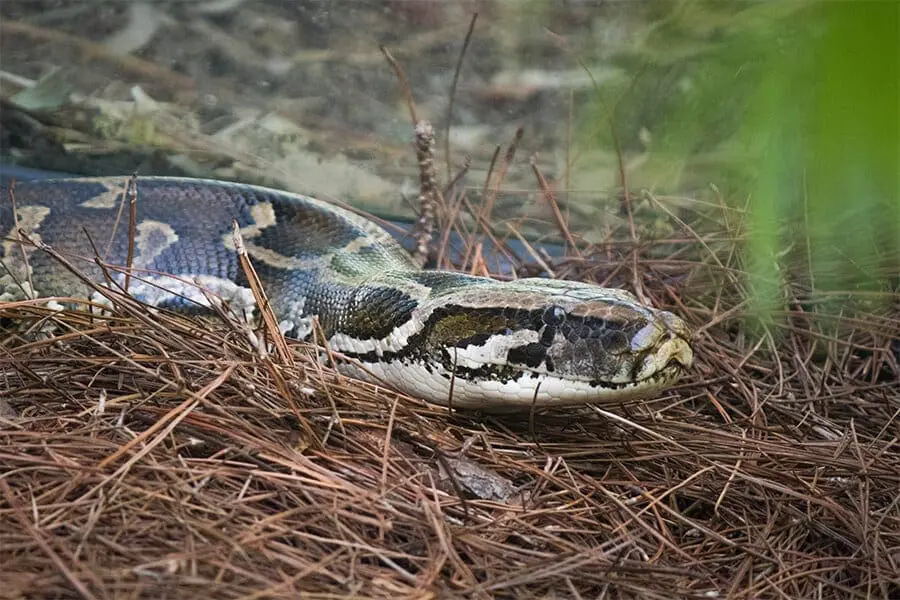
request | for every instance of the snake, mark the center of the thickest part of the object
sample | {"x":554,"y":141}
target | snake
{"x":450,"y":338}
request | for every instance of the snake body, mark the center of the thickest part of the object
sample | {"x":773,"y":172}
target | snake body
{"x":450,"y":338}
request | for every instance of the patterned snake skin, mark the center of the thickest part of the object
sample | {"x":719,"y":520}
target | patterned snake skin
{"x":494,"y":345}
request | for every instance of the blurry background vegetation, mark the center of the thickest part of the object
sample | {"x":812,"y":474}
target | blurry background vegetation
{"x":791,"y":109}
{"x":773,"y":123}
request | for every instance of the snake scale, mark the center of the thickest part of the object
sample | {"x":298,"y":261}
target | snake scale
{"x":491,"y":344}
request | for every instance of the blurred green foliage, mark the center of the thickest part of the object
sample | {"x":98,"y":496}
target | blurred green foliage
{"x":828,"y":153}
{"x":791,"y":109}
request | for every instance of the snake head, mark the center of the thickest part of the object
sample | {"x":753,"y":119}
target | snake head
{"x":547,"y":343}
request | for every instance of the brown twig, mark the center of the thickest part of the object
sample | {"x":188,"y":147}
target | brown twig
{"x":404,"y":84}
{"x":269,"y":319}
{"x":550,"y":197}
{"x":451,"y":215}
{"x":429,"y":194}
{"x":452,"y":94}
{"x":131,"y":194}
{"x":491,"y":188}
{"x":30,"y":292}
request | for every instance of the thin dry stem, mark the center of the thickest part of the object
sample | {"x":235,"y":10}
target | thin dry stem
{"x":131,"y":195}
{"x":452,"y":95}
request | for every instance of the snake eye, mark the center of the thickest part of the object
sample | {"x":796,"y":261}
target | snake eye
{"x":554,"y":316}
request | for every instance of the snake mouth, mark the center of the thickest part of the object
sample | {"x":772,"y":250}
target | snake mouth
{"x":658,"y":366}
{"x":632,"y":387}
{"x":673,"y":371}
{"x":665,"y":376}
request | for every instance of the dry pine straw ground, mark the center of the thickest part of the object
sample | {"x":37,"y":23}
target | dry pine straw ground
{"x":157,"y":456}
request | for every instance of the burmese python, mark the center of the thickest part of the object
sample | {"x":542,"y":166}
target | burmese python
{"x":497,"y":345}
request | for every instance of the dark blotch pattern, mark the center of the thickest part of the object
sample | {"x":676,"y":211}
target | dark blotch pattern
{"x":531,"y":355}
{"x":613,"y":336}
{"x":377,"y":312}
{"x":547,"y":336}
{"x":475,"y":340}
